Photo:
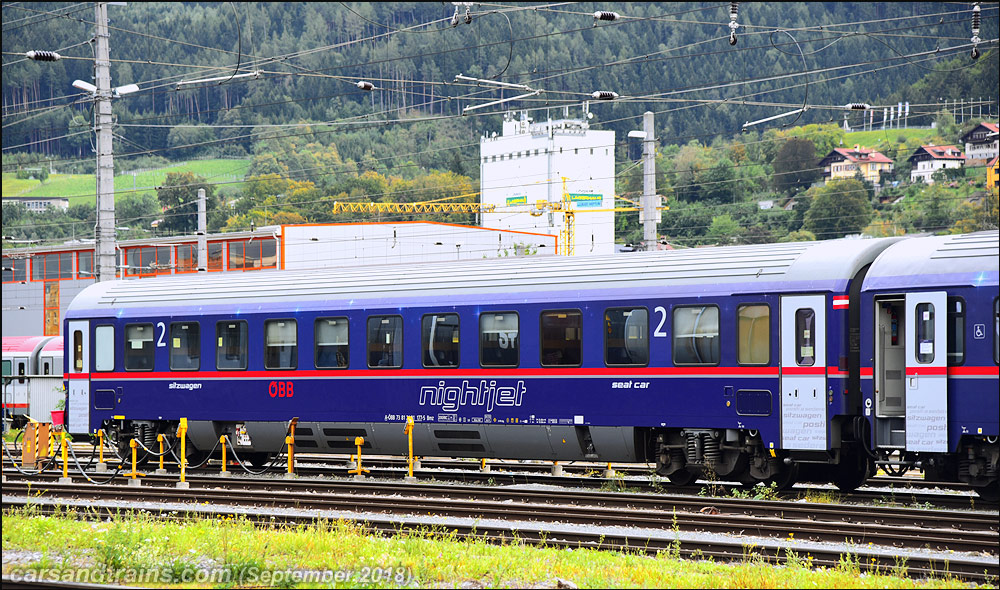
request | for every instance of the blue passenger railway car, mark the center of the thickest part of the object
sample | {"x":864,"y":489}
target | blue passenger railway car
{"x":747,"y":362}
{"x":931,"y":348}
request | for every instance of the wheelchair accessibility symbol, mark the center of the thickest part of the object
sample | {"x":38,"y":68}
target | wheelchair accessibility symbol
{"x":979,"y":332}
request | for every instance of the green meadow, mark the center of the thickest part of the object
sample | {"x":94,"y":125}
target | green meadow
{"x":81,"y":188}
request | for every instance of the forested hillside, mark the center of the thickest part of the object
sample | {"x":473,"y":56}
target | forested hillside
{"x":314,"y":136}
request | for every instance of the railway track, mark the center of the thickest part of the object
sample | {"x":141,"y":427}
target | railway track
{"x":719,"y":527}
{"x":629,"y":477}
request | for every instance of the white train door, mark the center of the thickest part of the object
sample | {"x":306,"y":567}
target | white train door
{"x":803,"y":372}
{"x":78,"y":378}
{"x":927,"y":372}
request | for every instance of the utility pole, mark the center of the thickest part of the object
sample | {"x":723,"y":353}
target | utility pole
{"x":105,"y":237}
{"x":202,"y":232}
{"x":650,"y":213}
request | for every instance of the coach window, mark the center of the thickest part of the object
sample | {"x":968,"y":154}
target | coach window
{"x":562,"y":338}
{"x":956,"y":331}
{"x":385,"y":342}
{"x":499,"y":339}
{"x":185,"y":346}
{"x":924,"y":333}
{"x":281,"y":344}
{"x":139,"y":347}
{"x":104,"y":348}
{"x":439,"y":340}
{"x":696,"y":335}
{"x":231,"y":350}
{"x":626,"y":337}
{"x":805,"y":337}
{"x":753,"y":345}
{"x":331,"y":343}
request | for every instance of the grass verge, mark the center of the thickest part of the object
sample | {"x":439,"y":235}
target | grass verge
{"x":234,"y":553}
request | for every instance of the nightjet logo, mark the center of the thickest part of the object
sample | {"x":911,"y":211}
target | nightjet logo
{"x":454,"y":397}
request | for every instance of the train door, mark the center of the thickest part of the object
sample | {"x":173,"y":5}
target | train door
{"x":803,"y":372}
{"x":926,"y":372}
{"x":78,"y":378}
{"x":890,"y":372}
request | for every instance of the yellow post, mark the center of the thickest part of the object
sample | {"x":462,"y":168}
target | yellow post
{"x":289,"y":441}
{"x":100,"y":445}
{"x":65,"y":455}
{"x":132,"y":443}
{"x":359,"y":441}
{"x":222,"y":441}
{"x":159,"y":437}
{"x":408,"y":429}
{"x":182,"y":433}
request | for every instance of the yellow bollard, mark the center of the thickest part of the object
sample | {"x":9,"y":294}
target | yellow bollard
{"x":222,"y":441}
{"x":408,"y":429}
{"x":65,"y":456}
{"x":182,"y":433}
{"x":100,"y":445}
{"x":359,"y":441}
{"x":132,"y":443}
{"x":291,"y":456}
{"x":159,"y":437}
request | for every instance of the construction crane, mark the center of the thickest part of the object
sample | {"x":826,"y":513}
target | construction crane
{"x":567,"y":235}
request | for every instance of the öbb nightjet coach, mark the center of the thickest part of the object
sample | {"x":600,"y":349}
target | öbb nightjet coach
{"x":780,"y":362}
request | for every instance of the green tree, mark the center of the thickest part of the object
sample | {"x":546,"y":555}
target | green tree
{"x":178,"y":197}
{"x":841,"y":207}
{"x":723,"y":230}
{"x":795,"y":165}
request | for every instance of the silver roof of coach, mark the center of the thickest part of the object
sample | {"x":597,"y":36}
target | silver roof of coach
{"x":820,"y":265}
{"x":966,"y":259}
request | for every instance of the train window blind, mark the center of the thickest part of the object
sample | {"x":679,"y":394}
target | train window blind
{"x":561,"y":338}
{"x":104,"y":348}
{"x":499,"y":339}
{"x":385,"y":342}
{"x":332,"y":344}
{"x":924,"y":333}
{"x":185,"y":346}
{"x":139,"y":347}
{"x":626,"y":337}
{"x":280,"y":344}
{"x":696,"y":335}
{"x":956,"y":331}
{"x":753,"y":338}
{"x":439,"y":340}
{"x":231,"y":346}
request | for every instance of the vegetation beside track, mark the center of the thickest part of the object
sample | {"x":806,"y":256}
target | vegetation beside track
{"x":240,"y":554}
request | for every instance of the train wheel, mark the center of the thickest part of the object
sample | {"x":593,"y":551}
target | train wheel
{"x":681,"y":477}
{"x":786,"y":478}
{"x":990,"y":492}
{"x":852,"y":472}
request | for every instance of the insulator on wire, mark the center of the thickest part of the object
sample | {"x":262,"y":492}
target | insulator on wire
{"x":368,"y":86}
{"x":605,"y":15}
{"x":454,"y":18}
{"x":857,"y":106}
{"x":604,"y":95}
{"x":975,"y":31}
{"x":468,"y":16}
{"x":734,"y":11}
{"x":43,"y":55}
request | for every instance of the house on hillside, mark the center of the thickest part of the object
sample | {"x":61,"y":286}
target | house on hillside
{"x":981,"y":142}
{"x":928,"y":159}
{"x":844,"y":163}
{"x":39,"y":204}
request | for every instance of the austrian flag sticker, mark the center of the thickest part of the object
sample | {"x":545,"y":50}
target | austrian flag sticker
{"x":841,"y":301}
